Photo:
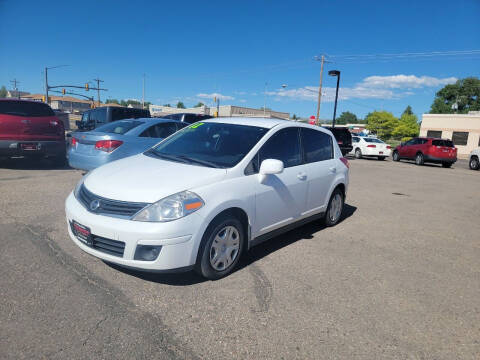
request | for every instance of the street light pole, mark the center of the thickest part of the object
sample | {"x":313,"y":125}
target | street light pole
{"x":320,"y":89}
{"x":143,"y":92}
{"x":337,"y":74}
{"x":46,"y":85}
{"x":265,"y":100}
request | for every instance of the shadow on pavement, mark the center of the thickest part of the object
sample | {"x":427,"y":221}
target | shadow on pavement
{"x":31,"y":164}
{"x":256,"y":253}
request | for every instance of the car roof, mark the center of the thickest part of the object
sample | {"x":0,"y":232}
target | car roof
{"x":249,"y":121}
{"x":150,"y":120}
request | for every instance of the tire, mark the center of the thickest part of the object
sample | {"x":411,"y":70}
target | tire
{"x":214,"y":253}
{"x":446,"y":165}
{"x":419,"y":159}
{"x":396,"y":156}
{"x":381,"y":157}
{"x":335,"y":208}
{"x":358,"y":153}
{"x":474,"y":164}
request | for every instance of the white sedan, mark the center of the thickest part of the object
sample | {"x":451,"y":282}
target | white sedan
{"x":206,"y":194}
{"x":474,"y":159}
{"x":370,"y":146}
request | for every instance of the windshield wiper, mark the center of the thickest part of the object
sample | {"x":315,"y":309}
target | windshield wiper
{"x":198,"y":161}
{"x":158,"y":155}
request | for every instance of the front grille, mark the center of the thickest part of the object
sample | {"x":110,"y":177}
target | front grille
{"x":107,"y":206}
{"x":109,"y":246}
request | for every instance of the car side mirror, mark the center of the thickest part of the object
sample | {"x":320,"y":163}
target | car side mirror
{"x":270,"y":167}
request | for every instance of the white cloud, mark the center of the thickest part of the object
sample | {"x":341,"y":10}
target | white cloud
{"x":372,"y":87}
{"x":213,"y":95}
{"x":405,"y":81}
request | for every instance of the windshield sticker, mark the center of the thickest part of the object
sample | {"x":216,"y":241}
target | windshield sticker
{"x":194,"y":126}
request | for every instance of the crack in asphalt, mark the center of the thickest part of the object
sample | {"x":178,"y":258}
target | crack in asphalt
{"x":152,"y":325}
{"x":262,"y":288}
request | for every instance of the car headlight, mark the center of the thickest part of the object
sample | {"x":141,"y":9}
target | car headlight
{"x":80,"y":183}
{"x":171,"y":208}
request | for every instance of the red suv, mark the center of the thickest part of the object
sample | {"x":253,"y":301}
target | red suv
{"x":30,"y":129}
{"x":424,"y":150}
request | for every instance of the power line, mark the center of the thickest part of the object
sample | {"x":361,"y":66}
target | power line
{"x":14,"y":83}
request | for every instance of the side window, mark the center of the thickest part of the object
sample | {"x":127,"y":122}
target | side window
{"x":355,"y":139}
{"x":148,"y":132}
{"x":410,"y":142}
{"x":101,"y":115}
{"x":284,"y":145}
{"x":164,"y":130}
{"x":181,"y":125}
{"x":317,"y":146}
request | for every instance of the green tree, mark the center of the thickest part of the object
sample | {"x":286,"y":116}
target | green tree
{"x":381,"y":123}
{"x":408,"y":110}
{"x":3,"y":92}
{"x":294,"y":117}
{"x":167,"y":105}
{"x":461,"y":97}
{"x":180,"y":105}
{"x":407,"y":126}
{"x":346,"y":118}
{"x":200,"y":104}
{"x":112,"y":101}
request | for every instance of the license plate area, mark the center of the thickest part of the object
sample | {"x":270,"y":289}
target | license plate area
{"x":30,"y":146}
{"x":380,"y":152}
{"x":82,"y":233}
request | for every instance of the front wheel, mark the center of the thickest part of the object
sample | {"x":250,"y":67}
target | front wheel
{"x":396,"y":156}
{"x":335,"y":208}
{"x":474,"y":163}
{"x":221,"y":248}
{"x":358,"y":153}
{"x":419,"y":159}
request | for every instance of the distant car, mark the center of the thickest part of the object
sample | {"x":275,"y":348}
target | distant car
{"x":343,"y":137}
{"x":473,"y":159}
{"x":31,"y":129}
{"x":423,"y":150}
{"x":94,"y":118}
{"x":118,"y":139}
{"x":187,"y":118}
{"x":370,"y":147}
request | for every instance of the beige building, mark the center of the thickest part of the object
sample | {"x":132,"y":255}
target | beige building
{"x":462,"y":129}
{"x":224,"y":111}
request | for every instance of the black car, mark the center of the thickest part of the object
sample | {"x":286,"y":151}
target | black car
{"x":343,"y":137}
{"x":92,"y":119}
{"x":187,"y":117}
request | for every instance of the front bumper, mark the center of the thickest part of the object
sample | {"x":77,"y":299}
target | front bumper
{"x":43,"y":148}
{"x":179,"y":239}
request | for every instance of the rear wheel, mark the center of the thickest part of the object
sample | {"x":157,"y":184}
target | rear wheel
{"x":381,"y":157}
{"x":396,"y":156}
{"x":446,"y":165}
{"x":474,"y":163}
{"x":335,"y":208}
{"x":221,"y":248}
{"x":419,"y":159}
{"x":358,"y":153}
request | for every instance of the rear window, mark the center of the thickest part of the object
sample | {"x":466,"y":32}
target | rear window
{"x":25,"y":108}
{"x":118,"y":127}
{"x":373,"y":140}
{"x":442,"y":143}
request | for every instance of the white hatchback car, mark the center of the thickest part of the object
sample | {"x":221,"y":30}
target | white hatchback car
{"x":206,"y":194}
{"x":370,"y":146}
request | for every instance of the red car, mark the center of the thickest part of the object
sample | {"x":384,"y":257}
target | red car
{"x":31,"y":129}
{"x":423,"y":150}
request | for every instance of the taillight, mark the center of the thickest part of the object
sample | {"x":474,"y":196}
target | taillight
{"x":73,"y":141}
{"x":372,"y":146}
{"x":345,"y":162}
{"x":107,"y":145}
{"x":389,"y":147}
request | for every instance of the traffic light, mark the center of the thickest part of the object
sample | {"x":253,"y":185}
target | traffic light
{"x":43,"y":98}
{"x":86,"y":86}
{"x":63,"y":91}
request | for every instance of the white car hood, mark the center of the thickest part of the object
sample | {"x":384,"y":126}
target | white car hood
{"x":142,"y":178}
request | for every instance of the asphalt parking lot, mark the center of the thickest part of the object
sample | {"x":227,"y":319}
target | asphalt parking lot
{"x":398,"y":278}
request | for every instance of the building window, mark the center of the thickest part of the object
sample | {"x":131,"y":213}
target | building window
{"x":460,"y":138}
{"x":434,"y":134}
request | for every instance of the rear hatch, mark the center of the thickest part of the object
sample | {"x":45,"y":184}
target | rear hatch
{"x":30,"y":121}
{"x":443,"y":149}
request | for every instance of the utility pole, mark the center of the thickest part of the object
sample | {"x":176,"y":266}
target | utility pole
{"x":15,"y":82}
{"x":265,"y":100}
{"x":320,"y":89}
{"x":46,"y":85}
{"x":143,"y":92}
{"x":98,"y":89}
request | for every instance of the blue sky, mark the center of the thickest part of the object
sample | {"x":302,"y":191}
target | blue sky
{"x":190,"y":50}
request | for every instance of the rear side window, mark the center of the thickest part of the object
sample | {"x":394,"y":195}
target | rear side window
{"x":25,"y":108}
{"x":460,"y":138}
{"x":118,"y":127}
{"x":160,"y":130}
{"x":317,"y":146}
{"x":284,"y":145}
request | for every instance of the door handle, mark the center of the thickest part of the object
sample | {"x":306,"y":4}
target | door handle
{"x":333,"y":169}
{"x":301,"y":176}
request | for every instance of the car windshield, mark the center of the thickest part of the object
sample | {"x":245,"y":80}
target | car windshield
{"x":209,"y":144}
{"x":118,"y":127}
{"x":373,"y":140}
